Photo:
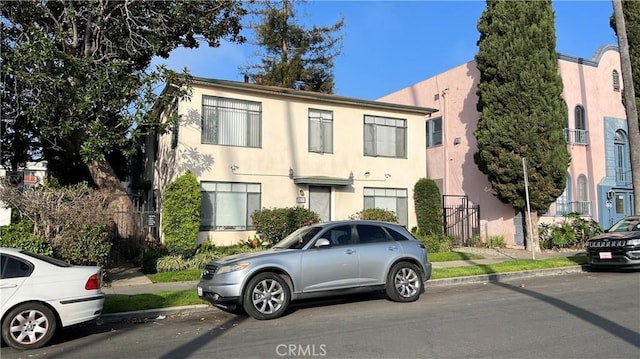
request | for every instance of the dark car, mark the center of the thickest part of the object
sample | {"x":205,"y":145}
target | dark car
{"x":618,"y":247}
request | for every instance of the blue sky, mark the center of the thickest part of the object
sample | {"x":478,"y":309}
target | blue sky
{"x":389,"y":45}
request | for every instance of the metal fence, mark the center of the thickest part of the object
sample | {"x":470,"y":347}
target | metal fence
{"x":145,"y":232}
{"x":461,"y":219}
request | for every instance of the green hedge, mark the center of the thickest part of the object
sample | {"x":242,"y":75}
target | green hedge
{"x":181,"y":215}
{"x":428,"y":204}
{"x":20,"y":235}
{"x":273,"y":224}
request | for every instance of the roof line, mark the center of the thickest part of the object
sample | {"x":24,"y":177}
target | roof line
{"x":311,"y":95}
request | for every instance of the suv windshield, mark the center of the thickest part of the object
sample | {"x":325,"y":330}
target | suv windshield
{"x":626,"y":225}
{"x":298,"y":239}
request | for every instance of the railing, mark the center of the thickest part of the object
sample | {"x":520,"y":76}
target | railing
{"x":580,"y":207}
{"x":461,"y":219}
{"x":577,"y":137}
{"x":623,"y":176}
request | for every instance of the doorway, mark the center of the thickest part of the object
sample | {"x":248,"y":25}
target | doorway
{"x":320,"y":201}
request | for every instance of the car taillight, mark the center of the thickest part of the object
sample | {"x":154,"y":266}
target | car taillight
{"x":93,"y":282}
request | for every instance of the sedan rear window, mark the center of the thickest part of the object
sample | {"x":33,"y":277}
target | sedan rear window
{"x":54,"y":261}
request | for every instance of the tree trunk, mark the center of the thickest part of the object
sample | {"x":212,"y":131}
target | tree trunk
{"x":120,"y":205}
{"x":628,"y":93}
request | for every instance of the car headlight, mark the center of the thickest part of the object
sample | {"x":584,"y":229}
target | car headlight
{"x":633,"y":242}
{"x":232,"y":268}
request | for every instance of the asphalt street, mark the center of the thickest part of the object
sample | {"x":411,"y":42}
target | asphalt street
{"x":578,"y":315}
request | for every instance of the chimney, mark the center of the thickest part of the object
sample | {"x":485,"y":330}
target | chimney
{"x":260,"y":78}
{"x":246,"y":79}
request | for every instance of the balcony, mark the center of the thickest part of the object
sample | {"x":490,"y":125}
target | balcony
{"x":623,"y":176}
{"x":583,"y":208}
{"x":576,"y":137}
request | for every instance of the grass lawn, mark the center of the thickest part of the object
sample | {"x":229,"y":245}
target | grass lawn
{"x":116,"y":303}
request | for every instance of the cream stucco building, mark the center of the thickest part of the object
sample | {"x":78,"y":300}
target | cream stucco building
{"x":253,"y":146}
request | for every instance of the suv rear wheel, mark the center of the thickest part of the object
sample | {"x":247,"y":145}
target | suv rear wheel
{"x":404,"y":282}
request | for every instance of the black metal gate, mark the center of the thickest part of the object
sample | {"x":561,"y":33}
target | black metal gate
{"x":461,"y":219}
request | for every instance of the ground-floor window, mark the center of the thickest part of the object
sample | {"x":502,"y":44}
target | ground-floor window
{"x":228,"y":205}
{"x":392,"y":199}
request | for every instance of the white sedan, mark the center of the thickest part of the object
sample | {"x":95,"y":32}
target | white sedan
{"x":39,"y":294}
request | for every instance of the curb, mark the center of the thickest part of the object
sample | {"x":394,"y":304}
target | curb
{"x":155,"y":314}
{"x":498,"y":277}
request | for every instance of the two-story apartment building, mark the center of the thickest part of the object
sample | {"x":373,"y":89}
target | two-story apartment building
{"x":253,"y":146}
{"x":599,"y":177}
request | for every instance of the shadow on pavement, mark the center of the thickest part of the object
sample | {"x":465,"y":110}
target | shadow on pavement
{"x":626,"y":334}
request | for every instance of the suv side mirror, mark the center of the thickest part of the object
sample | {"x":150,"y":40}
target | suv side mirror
{"x":322,"y":243}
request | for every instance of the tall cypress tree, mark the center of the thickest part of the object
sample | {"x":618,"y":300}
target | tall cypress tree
{"x":522,"y":113}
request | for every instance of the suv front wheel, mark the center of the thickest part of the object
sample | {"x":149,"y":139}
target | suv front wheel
{"x":266,"y":296}
{"x":404,"y":282}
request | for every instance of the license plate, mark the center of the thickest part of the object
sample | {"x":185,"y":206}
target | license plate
{"x":605,"y":255}
{"x":199,"y":291}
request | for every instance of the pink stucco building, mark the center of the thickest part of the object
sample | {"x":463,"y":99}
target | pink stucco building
{"x":599,"y":176}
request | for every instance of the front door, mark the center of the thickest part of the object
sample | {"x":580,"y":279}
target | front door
{"x":320,"y":201}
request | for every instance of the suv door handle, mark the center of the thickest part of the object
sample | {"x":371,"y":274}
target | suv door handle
{"x":350,"y":251}
{"x":393,"y":248}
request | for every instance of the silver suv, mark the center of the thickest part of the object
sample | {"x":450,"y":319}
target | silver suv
{"x":320,"y":260}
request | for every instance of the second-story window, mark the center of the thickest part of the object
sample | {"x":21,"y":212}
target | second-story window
{"x":622,"y":162}
{"x":385,"y":136}
{"x":231,"y":122}
{"x":580,"y":125}
{"x":434,"y":132}
{"x":320,"y":131}
{"x":616,"y":80}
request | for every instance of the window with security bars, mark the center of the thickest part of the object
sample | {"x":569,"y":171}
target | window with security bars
{"x":231,"y":122}
{"x":616,"y":80}
{"x":385,"y":137}
{"x":228,"y":205}
{"x":320,"y":131}
{"x":391,"y":199}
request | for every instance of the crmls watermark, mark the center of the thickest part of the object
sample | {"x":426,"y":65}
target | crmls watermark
{"x":301,"y":350}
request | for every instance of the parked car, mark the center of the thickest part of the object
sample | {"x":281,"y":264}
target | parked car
{"x":618,"y":247}
{"x":39,"y":294}
{"x":319,"y":260}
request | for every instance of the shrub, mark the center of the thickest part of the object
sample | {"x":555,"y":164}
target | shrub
{"x":563,"y":235}
{"x":428,"y":204}
{"x":574,"y":231}
{"x":274,"y":224}
{"x":150,"y":258}
{"x":171,"y":263}
{"x":476,"y":241}
{"x":199,"y":260}
{"x":376,"y":214}
{"x":181,"y":215}
{"x":84,"y":245}
{"x":434,"y":244}
{"x":20,"y":235}
{"x":583,"y":228}
{"x":496,"y":242}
